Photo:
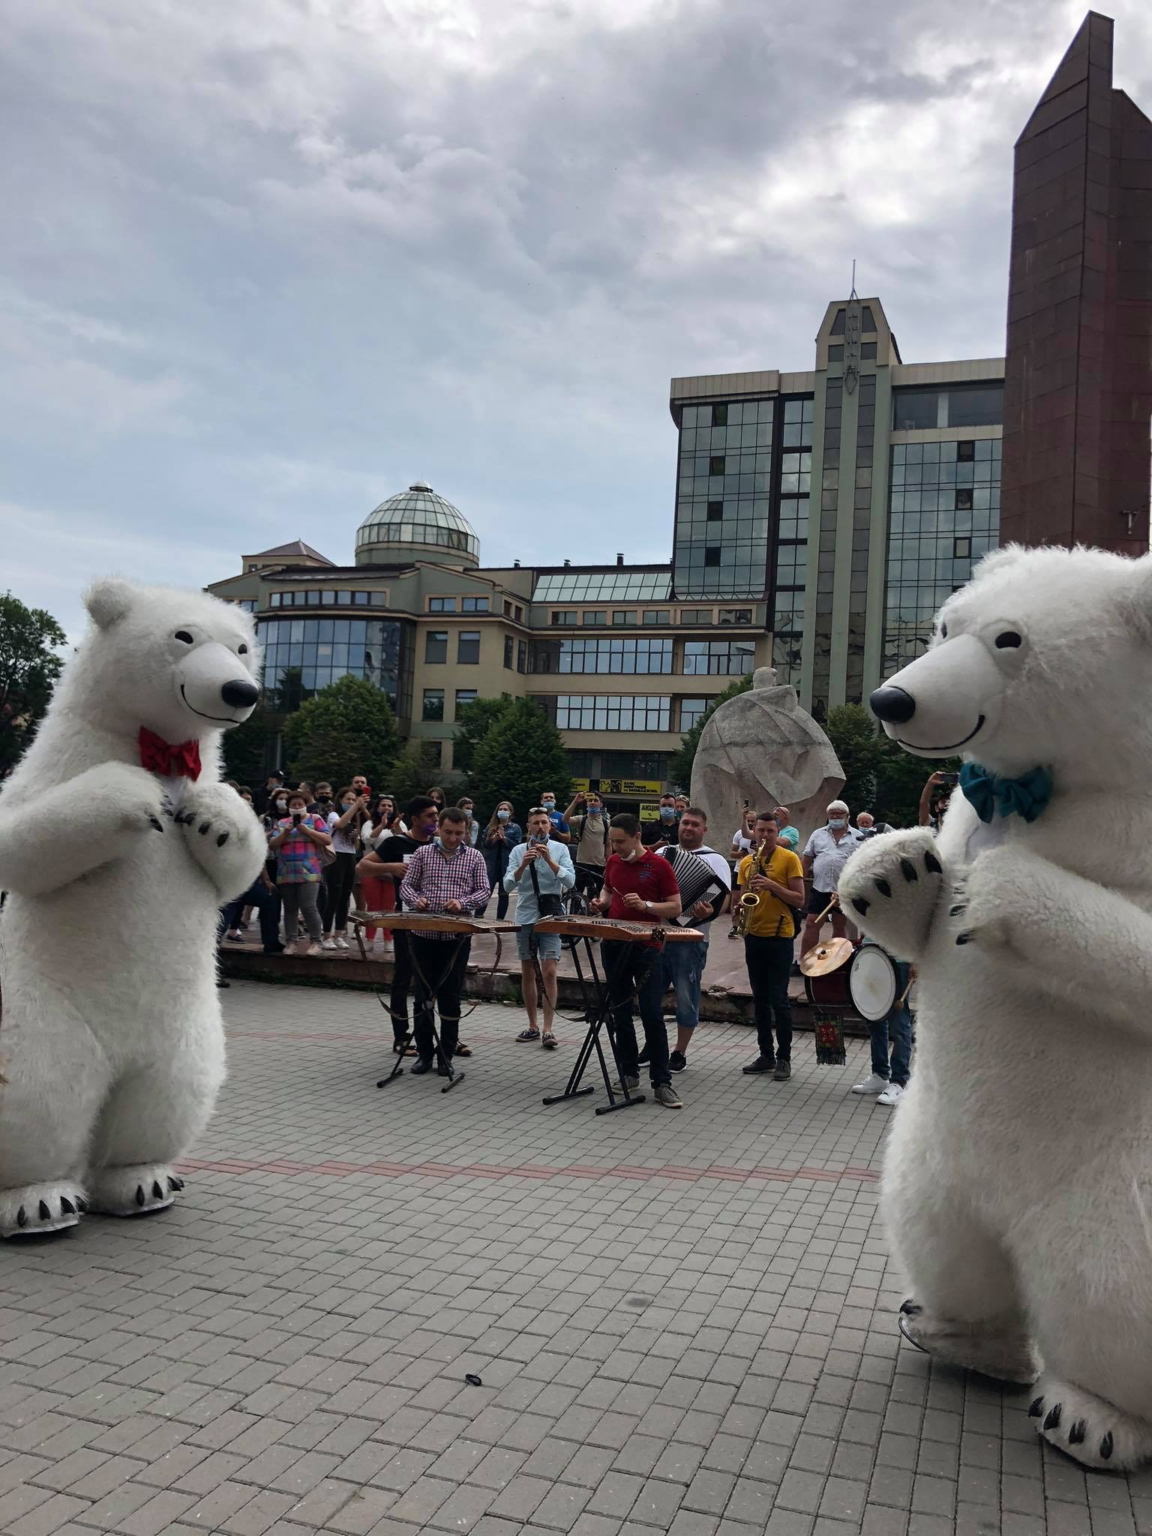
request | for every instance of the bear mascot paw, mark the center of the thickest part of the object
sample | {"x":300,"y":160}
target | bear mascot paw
{"x":118,"y":847}
{"x":1017,"y":1184}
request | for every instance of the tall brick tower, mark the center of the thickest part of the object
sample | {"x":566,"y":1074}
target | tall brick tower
{"x":1078,"y":377}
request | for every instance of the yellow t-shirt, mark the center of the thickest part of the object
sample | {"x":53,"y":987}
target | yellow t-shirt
{"x":771,"y":918}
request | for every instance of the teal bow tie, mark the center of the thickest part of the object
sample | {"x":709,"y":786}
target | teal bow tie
{"x":989,"y":794}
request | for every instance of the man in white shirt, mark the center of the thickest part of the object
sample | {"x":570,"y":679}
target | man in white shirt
{"x":825,"y":855}
{"x":539,"y":871}
{"x":684,"y":963}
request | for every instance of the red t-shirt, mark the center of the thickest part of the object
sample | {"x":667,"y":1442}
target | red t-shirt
{"x":649,"y":876}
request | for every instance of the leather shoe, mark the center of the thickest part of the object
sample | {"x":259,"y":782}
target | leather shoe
{"x":761,"y":1064}
{"x":421,"y":1065}
{"x":783,"y":1071}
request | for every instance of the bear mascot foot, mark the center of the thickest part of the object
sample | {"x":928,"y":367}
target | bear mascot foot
{"x":895,"y":882}
{"x":1093,"y":1432}
{"x":136,"y":1190}
{"x":41,"y":1208}
{"x":997,"y":1349}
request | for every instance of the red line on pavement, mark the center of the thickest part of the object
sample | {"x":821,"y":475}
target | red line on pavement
{"x":526,"y":1171}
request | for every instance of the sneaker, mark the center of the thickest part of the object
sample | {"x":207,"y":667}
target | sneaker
{"x":339,"y":941}
{"x":631,"y":1083}
{"x":677,"y":1061}
{"x":666,"y":1095}
{"x":314,"y":952}
{"x":234,"y":938}
{"x":871,"y":1084}
{"x":761,"y":1064}
{"x":421,"y":1065}
{"x":328,"y":944}
{"x":783,"y":1071}
{"x":892,"y":1094}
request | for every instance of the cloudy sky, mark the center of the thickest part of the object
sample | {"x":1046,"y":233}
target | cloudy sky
{"x":268,"y":261}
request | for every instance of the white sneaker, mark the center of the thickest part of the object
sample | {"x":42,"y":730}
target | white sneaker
{"x":328,"y":944}
{"x":873,"y":1084}
{"x":339,"y":941}
{"x":891,"y":1095}
{"x":315,"y":950}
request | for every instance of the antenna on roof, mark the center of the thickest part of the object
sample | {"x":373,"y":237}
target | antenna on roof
{"x":853,"y":294}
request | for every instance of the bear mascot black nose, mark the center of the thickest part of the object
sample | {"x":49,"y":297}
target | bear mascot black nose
{"x":892,"y":705}
{"x":240,"y":692}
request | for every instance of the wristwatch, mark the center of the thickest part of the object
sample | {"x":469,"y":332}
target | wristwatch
{"x":648,"y":906}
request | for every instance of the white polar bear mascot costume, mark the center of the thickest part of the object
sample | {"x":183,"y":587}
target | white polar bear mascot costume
{"x":118,"y":845}
{"x":1017,"y":1186}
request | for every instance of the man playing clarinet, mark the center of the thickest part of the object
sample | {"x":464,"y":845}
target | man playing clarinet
{"x":447,"y":877}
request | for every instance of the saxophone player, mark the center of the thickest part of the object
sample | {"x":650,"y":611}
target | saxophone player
{"x":774,"y":875}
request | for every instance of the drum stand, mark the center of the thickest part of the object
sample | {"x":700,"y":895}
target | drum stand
{"x":440,"y":1056}
{"x":599,"y":1017}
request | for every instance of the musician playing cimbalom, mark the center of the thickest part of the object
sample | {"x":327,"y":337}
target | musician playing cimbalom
{"x":444,"y":876}
{"x":684,"y":963}
{"x":539,"y":871}
{"x":639,"y":887}
{"x":775,"y":876}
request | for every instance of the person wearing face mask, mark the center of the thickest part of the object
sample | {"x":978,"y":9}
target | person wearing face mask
{"x":501,"y":835}
{"x":588,"y":827}
{"x":344,"y":823}
{"x":657,"y":834}
{"x":825,"y":855}
{"x":559,"y":826}
{"x":472,"y":831}
{"x":273,"y":786}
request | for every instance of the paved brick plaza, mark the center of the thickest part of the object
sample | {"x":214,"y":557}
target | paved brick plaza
{"x":683,"y":1322}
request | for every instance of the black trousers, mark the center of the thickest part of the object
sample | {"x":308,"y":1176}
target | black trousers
{"x":769,"y":964}
{"x":339,"y":878}
{"x":401,"y":982}
{"x":439,"y":966}
{"x":267,"y":903}
{"x":635,"y":968}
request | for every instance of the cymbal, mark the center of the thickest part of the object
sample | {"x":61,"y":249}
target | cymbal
{"x":827,"y":957}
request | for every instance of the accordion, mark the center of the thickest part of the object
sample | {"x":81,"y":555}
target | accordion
{"x":698,"y":881}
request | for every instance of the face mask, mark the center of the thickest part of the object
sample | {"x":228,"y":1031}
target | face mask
{"x":630,"y":858}
{"x":281,"y":805}
{"x":346,"y":805}
{"x":593,"y":810}
{"x":667,"y":813}
{"x":837,"y":823}
{"x":549,"y":805}
{"x":503,"y":815}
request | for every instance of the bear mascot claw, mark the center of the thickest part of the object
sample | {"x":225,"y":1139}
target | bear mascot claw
{"x":1017,"y":1185}
{"x":118,"y":846}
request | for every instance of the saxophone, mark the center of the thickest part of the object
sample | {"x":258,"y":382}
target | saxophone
{"x":750,"y":899}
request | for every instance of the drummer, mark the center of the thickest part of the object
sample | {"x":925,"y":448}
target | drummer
{"x":825,"y":855}
{"x":891,"y":1034}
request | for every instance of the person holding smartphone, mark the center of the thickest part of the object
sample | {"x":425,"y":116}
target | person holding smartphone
{"x":934,"y":799}
{"x":299,"y":874}
{"x":539,"y":871}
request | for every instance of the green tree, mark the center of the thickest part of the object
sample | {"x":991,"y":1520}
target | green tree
{"x":680,"y":766}
{"x":344,"y":729}
{"x":473,"y":722}
{"x":246,"y":747}
{"x":412,"y":772}
{"x":29,"y":667}
{"x":879,"y":776}
{"x":521,"y":755}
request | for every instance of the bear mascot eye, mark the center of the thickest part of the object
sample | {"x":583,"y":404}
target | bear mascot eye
{"x":242,"y":651}
{"x":943,"y":631}
{"x":1008,"y":639}
{"x":182,"y":634}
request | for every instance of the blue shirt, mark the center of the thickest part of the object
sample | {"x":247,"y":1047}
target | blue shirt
{"x":550,"y":884}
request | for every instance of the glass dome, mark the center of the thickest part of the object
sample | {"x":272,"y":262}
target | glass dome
{"x":417,"y":518}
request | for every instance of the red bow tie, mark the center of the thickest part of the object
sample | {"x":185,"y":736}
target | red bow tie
{"x":160,"y":756}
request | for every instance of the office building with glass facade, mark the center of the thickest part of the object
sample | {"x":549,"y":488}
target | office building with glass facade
{"x":849,"y":501}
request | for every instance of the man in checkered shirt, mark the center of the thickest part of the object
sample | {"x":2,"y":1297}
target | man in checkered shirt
{"x":446,"y":876}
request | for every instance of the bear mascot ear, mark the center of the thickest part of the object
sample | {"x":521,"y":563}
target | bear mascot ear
{"x":1138,"y":607}
{"x":999,"y":559}
{"x":108,"y":601}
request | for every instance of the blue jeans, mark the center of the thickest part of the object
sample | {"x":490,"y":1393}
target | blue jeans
{"x":897,"y":1029}
{"x":683,"y":969}
{"x":266,"y":902}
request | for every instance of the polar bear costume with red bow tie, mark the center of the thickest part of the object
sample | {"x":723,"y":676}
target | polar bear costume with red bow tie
{"x":118,"y":846}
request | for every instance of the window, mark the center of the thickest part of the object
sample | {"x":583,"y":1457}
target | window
{"x":962,"y":549}
{"x":695,"y":615}
{"x":715,"y":511}
{"x":657,"y":616}
{"x":735,"y":615}
{"x":867,"y":321}
{"x":474,"y":605}
{"x":565,"y":616}
{"x":964,"y":500}
{"x":328,"y":599}
{"x":594,"y":616}
{"x":468,"y":648}
{"x":463,"y":696}
{"x":965,"y":453}
{"x":436,"y":751}
{"x":521,"y":655}
{"x":624,"y":616}
{"x":720,"y":415}
{"x":795,"y":474}
{"x":509,"y":645}
{"x":724,"y":658}
{"x":838,"y":323}
{"x":433,"y":704}
{"x":248,"y":604}
{"x":362,"y":599}
{"x":436,"y":647}
{"x":612,"y":712}
{"x":519,"y":614}
{"x":716,"y":464}
{"x":441,"y":605}
{"x":711,"y":554}
{"x":614,"y":586}
{"x":868,"y":351}
{"x":607,"y":653}
{"x":961,"y":405}
{"x":507,"y":609}
{"x":836,"y":354}
{"x":690,"y":712}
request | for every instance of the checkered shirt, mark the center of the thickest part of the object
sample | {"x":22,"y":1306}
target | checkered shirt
{"x":440,"y":878}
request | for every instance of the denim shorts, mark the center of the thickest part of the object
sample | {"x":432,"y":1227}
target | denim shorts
{"x":547,"y":944}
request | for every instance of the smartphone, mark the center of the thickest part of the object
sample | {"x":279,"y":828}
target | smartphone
{"x":297,"y":818}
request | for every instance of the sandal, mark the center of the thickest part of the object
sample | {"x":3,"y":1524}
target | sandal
{"x":527,"y":1035}
{"x":403,"y":1047}
{"x":549,"y":1041}
{"x":462,"y":1049}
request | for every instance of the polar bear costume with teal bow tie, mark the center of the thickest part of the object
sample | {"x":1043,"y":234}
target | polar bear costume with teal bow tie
{"x":1017,"y":1185}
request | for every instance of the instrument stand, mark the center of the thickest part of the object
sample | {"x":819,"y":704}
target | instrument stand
{"x":439,"y":1055}
{"x":601,"y":1017}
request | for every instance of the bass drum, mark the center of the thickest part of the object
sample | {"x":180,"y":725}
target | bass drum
{"x":830,"y":989}
{"x":873,"y":982}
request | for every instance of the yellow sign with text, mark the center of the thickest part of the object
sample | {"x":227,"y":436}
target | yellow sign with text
{"x":635,"y":789}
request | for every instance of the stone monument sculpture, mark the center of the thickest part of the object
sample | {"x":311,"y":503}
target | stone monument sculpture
{"x":762,"y":749}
